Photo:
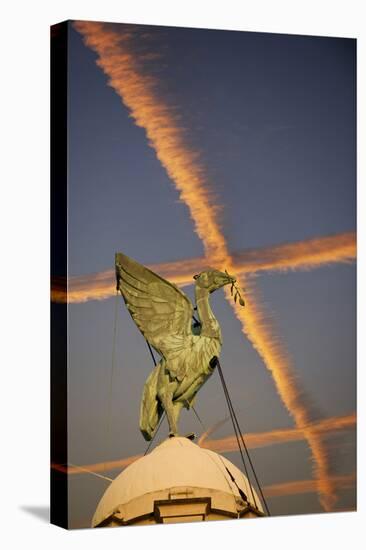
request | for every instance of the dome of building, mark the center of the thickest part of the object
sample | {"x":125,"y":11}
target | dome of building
{"x":177,"y":481}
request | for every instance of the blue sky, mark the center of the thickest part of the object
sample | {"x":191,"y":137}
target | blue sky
{"x":272,"y":118}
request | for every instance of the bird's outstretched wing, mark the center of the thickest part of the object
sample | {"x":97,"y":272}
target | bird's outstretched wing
{"x":162,"y":312}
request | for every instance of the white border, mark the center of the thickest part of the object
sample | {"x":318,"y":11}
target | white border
{"x":25,"y":260}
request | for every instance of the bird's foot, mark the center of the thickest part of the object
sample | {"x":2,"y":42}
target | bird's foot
{"x":190,"y":435}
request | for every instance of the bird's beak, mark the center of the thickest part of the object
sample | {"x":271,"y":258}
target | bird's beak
{"x":231,"y":279}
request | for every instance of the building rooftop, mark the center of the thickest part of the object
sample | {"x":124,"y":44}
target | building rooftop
{"x":175,"y":467}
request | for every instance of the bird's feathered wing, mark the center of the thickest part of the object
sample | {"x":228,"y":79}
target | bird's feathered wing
{"x":162,"y":312}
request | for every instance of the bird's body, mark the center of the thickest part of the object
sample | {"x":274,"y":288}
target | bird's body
{"x":163,"y":314}
{"x":164,"y":391}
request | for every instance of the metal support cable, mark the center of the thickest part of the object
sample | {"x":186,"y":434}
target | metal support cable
{"x":198,"y":418}
{"x":236,"y":429}
{"x":151,"y":351}
{"x":235,"y":421}
{"x":162,"y":416}
{"x":156,"y":431}
{"x":82,"y":469}
{"x":109,"y":413}
{"x":251,"y":465}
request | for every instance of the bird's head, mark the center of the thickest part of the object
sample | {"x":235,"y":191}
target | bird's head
{"x":213,"y":280}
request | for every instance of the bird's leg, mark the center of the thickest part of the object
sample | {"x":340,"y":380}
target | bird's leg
{"x":177,"y":407}
{"x":166,"y":390}
{"x":166,"y":399}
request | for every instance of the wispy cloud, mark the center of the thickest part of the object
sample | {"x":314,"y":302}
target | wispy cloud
{"x":139,"y":93}
{"x":300,"y":255}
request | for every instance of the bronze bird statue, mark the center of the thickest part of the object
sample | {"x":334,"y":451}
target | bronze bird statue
{"x":164,"y":315}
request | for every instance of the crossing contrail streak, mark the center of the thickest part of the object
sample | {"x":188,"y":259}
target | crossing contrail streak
{"x":300,"y":255}
{"x":328,"y":426}
{"x":273,"y":437}
{"x":297,"y":487}
{"x":138,"y":92}
{"x":308,"y":486}
{"x":160,"y":122}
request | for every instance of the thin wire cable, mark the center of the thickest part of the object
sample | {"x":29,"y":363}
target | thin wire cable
{"x":236,"y":432}
{"x":156,"y":431}
{"x":252,"y":466}
{"x":162,"y":416}
{"x":232,"y":411}
{"x":151,"y":351}
{"x":250,"y":462}
{"x":109,"y":402}
{"x":199,"y":420}
{"x":109,"y":479}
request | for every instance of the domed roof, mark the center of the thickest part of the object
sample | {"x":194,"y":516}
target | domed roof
{"x":176,"y":462}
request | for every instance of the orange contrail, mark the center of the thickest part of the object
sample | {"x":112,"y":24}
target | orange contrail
{"x":308,"y":254}
{"x":228,"y":444}
{"x":307,"y":486}
{"x":273,"y":437}
{"x":99,"y":286}
{"x":138,"y":92}
{"x":97,"y":467}
{"x":259,"y":330}
{"x":160,"y":123}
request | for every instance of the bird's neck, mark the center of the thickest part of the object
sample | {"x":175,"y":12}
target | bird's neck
{"x":210,"y":326}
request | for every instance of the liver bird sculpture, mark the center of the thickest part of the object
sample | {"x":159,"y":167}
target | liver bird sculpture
{"x":164,"y":315}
